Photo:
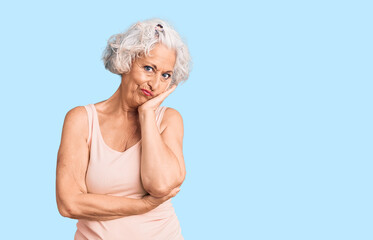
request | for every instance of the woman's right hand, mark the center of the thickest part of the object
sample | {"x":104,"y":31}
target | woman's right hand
{"x":153,"y":202}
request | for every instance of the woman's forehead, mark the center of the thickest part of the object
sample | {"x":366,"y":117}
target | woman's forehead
{"x":164,"y":58}
{"x":161,"y":50}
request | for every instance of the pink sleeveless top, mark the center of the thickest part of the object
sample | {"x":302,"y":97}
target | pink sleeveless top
{"x":118,"y":173}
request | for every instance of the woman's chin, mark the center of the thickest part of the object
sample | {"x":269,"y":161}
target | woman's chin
{"x":141,"y":103}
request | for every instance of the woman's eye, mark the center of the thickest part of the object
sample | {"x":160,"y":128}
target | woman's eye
{"x":148,"y":68}
{"x":166,"y":75}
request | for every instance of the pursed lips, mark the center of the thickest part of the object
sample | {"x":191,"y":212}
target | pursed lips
{"x":147,"y":92}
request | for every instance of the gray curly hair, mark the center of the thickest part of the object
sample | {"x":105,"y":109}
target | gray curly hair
{"x":140,"y":39}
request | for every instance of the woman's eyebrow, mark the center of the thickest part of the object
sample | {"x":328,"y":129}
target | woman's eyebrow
{"x":155,"y":66}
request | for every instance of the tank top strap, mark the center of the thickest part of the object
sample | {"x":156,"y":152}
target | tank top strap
{"x":159,"y":115}
{"x":90,"y":122}
{"x":90,"y":112}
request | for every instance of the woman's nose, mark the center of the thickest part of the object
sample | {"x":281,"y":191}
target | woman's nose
{"x":155,"y":81}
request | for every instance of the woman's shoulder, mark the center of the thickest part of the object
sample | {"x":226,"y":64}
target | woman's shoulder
{"x":171,"y":117}
{"x":77,"y":114}
{"x":76,"y":119}
{"x":172,"y":121}
{"x":171,"y":114}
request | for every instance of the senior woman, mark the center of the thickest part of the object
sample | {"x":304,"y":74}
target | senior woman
{"x":120,"y":160}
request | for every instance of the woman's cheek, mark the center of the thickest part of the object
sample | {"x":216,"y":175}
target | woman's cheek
{"x":166,"y":85}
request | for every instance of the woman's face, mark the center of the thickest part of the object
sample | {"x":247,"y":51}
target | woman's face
{"x":149,"y":76}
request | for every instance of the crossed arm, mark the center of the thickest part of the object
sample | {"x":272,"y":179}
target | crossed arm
{"x":74,"y":201}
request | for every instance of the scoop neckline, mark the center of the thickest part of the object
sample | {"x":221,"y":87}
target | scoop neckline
{"x":103,"y":141}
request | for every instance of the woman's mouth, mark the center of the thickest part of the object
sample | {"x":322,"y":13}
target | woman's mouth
{"x":146,"y":92}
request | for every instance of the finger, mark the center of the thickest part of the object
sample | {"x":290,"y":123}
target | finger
{"x":176,"y":190}
{"x":161,"y":97}
{"x":174,"y":195}
{"x":168,"y":92}
{"x":173,"y":192}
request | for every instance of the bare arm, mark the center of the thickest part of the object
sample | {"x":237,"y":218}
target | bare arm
{"x":162,"y":162}
{"x":73,"y":200}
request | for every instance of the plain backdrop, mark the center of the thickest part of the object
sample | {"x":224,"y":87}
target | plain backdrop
{"x":277,"y":112}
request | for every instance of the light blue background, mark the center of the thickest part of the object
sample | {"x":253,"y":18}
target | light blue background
{"x":277,"y":112}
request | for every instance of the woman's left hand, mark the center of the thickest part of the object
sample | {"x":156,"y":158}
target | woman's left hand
{"x":152,"y":104}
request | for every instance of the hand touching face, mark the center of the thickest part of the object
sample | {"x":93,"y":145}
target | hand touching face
{"x":153,"y":104}
{"x":150,"y":76}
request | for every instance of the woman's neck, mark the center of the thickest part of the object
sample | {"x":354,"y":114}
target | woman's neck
{"x":118,"y":104}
